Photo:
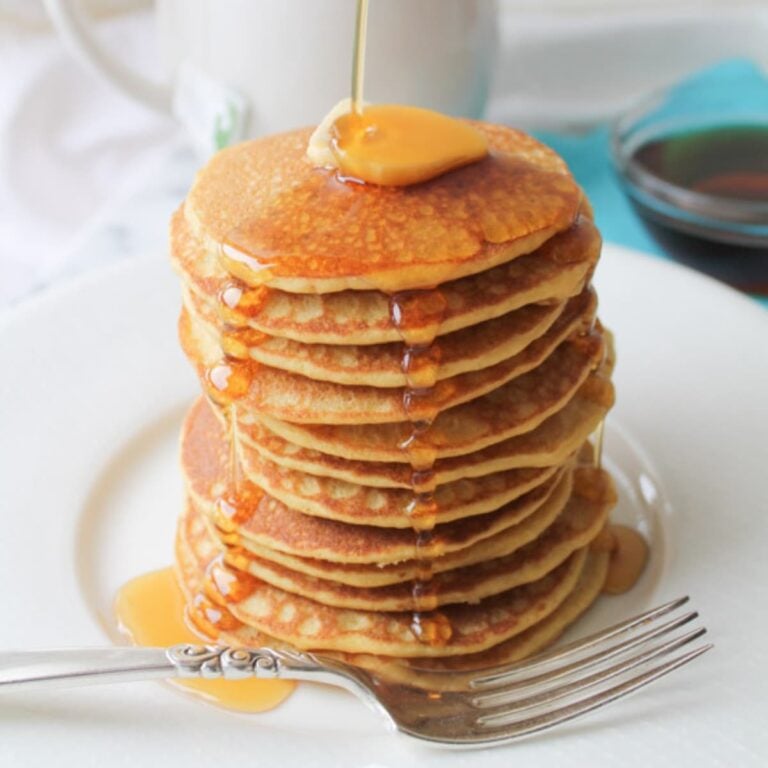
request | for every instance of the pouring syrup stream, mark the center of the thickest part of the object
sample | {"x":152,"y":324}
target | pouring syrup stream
{"x":358,"y":56}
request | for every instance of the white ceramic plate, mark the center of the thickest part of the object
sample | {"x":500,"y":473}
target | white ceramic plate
{"x":93,"y":388}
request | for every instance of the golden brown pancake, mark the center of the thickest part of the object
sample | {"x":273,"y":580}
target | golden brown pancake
{"x":380,"y":365}
{"x":556,"y":271}
{"x":426,"y":673}
{"x":206,"y":466}
{"x":431,"y":673}
{"x":387,"y":507}
{"x":309,"y":625}
{"x":361,"y":505}
{"x":549,"y":444}
{"x":577,"y":525}
{"x":501,"y":533}
{"x":297,"y":398}
{"x":300,"y":229}
{"x":511,"y":410}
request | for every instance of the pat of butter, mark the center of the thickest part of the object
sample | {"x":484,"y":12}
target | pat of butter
{"x":319,"y":148}
{"x":394,"y":145}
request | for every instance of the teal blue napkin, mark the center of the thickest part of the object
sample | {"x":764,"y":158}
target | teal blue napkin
{"x":733,"y":87}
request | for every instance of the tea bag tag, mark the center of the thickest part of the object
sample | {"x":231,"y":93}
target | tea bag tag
{"x":214,"y":115}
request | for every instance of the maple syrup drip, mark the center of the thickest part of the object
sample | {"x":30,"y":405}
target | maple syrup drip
{"x":237,"y":260}
{"x":210,"y":618}
{"x":228,"y":307}
{"x":227,"y":514}
{"x":228,"y":380}
{"x":236,"y":341}
{"x":424,"y":480}
{"x":230,"y":295}
{"x":233,"y":343}
{"x":238,"y":302}
{"x":225,"y":584}
{"x":232,"y":510}
{"x":629,"y":555}
{"x":428,"y":624}
{"x":421,"y":365}
{"x":241,"y":499}
{"x":432,"y":628}
{"x":417,"y":316}
{"x":420,"y":451}
{"x":422,"y":511}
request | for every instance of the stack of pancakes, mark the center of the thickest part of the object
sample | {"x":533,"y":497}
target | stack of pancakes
{"x":390,"y":460}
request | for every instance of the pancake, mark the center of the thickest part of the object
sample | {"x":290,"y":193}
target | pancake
{"x":349,"y":502}
{"x":420,"y":672}
{"x":308,"y":625}
{"x":431,"y":674}
{"x":577,"y":525}
{"x":297,"y":398}
{"x":556,"y":271}
{"x":298,"y":228}
{"x":549,"y":444}
{"x":205,"y":463}
{"x":387,"y":507}
{"x":380,"y":365}
{"x":510,"y":410}
{"x":501,"y":535}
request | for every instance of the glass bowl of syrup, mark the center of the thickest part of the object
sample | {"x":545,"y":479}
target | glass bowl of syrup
{"x":696,"y":170}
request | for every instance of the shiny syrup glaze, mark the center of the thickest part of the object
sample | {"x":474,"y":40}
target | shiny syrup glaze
{"x":327,"y":226}
{"x":237,"y":302}
{"x":228,"y":380}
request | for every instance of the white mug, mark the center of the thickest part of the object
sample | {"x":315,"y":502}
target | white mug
{"x":280,"y":64}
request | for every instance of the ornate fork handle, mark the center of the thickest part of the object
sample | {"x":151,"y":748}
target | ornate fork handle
{"x":212,"y":661}
{"x":59,"y":668}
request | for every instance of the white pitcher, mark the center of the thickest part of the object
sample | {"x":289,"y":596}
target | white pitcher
{"x":241,"y":68}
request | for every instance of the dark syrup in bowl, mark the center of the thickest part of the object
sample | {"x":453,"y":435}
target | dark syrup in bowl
{"x":703,"y":195}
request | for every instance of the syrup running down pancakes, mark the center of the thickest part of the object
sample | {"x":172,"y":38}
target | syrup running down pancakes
{"x":389,"y":460}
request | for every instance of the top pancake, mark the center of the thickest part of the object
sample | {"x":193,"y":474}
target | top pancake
{"x":298,"y":228}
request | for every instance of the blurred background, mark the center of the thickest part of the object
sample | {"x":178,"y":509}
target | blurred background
{"x":90,"y":174}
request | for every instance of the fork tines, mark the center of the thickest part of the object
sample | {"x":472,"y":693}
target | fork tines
{"x":516,"y":700}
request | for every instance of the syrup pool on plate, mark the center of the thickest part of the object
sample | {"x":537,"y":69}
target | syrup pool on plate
{"x":151,"y":610}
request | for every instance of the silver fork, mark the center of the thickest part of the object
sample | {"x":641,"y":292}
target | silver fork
{"x":492,"y":706}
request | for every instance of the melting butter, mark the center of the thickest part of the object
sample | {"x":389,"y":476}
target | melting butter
{"x":393,"y":144}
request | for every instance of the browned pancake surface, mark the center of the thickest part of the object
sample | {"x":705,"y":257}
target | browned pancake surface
{"x":300,"y":228}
